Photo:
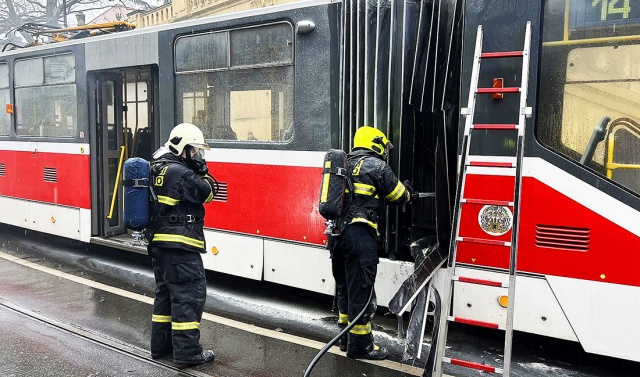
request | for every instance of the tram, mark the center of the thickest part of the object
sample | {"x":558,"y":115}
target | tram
{"x":578,"y":236}
{"x":262,"y":85}
{"x":273,"y":89}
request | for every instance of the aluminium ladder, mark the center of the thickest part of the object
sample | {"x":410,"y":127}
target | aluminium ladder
{"x":461,"y":199}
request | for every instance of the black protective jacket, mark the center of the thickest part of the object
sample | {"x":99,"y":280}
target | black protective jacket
{"x":178,"y":215}
{"x":373,"y":182}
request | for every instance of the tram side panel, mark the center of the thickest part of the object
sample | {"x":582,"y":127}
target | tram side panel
{"x":577,"y":257}
{"x":45,"y":190}
{"x":45,"y":185}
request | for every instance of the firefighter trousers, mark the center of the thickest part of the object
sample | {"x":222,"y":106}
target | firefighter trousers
{"x":354,"y":263}
{"x":181,"y":292}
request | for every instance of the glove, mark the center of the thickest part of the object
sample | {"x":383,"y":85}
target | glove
{"x":412,"y":193}
{"x":199,"y":166}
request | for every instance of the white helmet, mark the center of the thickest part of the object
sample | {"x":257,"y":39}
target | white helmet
{"x":185,"y":134}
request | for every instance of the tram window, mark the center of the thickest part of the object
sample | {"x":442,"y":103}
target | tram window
{"x":59,"y":69}
{"x":583,"y":82}
{"x":137,"y":91}
{"x":45,"y":97}
{"x":270,"y":44}
{"x":5,"y":119}
{"x":598,"y":81}
{"x":29,"y":72}
{"x":139,"y":137}
{"x":201,"y":52}
{"x":248,"y":105}
{"x":46,"y":111}
{"x":4,"y":76}
{"x":252,"y":102}
{"x":253,"y":125}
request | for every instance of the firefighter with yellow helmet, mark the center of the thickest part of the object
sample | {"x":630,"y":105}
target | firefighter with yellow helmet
{"x":181,"y":182}
{"x":355,"y":251}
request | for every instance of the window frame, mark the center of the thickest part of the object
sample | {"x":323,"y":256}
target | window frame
{"x":8,"y":91}
{"x":74,"y":83}
{"x":229,"y":68}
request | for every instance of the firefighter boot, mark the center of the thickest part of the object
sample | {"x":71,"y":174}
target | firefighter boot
{"x":160,"y":354}
{"x":205,"y":357}
{"x":342,"y":343}
{"x":362,"y":347}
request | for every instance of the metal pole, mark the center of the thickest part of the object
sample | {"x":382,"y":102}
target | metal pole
{"x":64,"y":12}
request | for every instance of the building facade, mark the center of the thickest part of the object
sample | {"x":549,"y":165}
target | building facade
{"x":179,"y":10}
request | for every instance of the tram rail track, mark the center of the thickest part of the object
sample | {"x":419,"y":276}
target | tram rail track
{"x":100,"y":339}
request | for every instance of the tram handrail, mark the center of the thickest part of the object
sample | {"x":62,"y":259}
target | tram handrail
{"x":116,"y":184}
{"x":630,"y":126}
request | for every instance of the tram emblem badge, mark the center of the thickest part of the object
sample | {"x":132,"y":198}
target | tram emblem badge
{"x":495,"y":220}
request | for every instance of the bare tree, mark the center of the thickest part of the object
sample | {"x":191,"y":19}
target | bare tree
{"x":51,"y":12}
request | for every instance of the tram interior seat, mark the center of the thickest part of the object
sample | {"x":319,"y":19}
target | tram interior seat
{"x":143,"y":143}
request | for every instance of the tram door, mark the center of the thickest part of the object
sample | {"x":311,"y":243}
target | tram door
{"x":123,"y":113}
{"x":111,"y":144}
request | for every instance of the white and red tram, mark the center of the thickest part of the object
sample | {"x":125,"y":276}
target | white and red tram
{"x":261,"y":84}
{"x":269,"y":88}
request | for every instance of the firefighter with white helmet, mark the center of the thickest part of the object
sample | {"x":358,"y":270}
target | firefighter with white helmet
{"x":355,"y":251}
{"x":181,"y":182}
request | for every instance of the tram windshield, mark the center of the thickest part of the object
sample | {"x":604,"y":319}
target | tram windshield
{"x":589,"y":70}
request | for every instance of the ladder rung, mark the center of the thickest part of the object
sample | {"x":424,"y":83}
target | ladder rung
{"x":492,"y":164}
{"x":471,"y":364}
{"x":497,"y":90}
{"x":474,"y":322}
{"x":483,"y":241}
{"x":501,"y":54}
{"x":494,"y":126}
{"x":488,"y":202}
{"x":491,"y":283}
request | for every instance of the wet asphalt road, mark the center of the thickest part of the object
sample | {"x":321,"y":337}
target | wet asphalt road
{"x":239,"y":351}
{"x":33,"y":348}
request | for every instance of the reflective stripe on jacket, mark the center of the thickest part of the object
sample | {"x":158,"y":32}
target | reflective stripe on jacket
{"x":178,"y":215}
{"x":372,"y":180}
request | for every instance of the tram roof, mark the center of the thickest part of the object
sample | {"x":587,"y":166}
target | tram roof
{"x":175,"y":25}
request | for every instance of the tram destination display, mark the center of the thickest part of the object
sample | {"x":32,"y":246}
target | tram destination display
{"x":588,"y":14}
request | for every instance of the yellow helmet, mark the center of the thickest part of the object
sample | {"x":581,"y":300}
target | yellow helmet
{"x":372,"y":139}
